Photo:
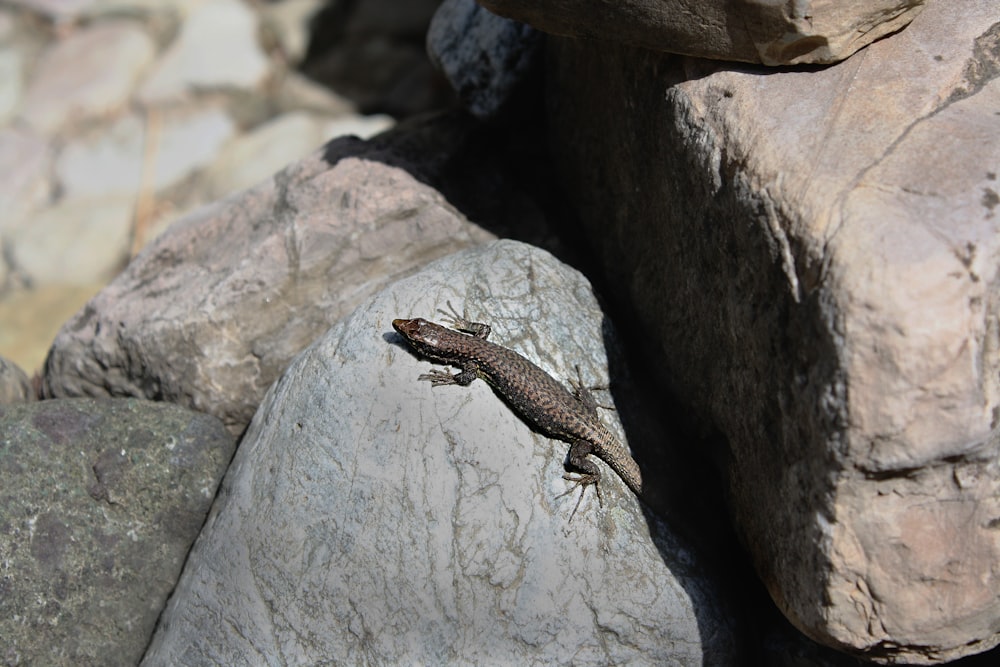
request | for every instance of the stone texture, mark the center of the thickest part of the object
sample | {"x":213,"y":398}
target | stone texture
{"x":25,"y":160}
{"x":358,"y":126}
{"x":267,"y":149}
{"x":216,"y":48}
{"x":485,"y":58}
{"x":100,"y":502}
{"x":369,"y":518}
{"x":57,"y":10}
{"x":756,"y":31}
{"x":11,"y":83}
{"x":91,"y":72}
{"x":214,"y":309}
{"x":104,"y":162}
{"x":820,"y":276}
{"x":14,"y":384}
{"x":137,"y":152}
{"x":78,"y":242}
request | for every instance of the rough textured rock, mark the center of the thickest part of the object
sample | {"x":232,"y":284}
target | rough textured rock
{"x":370,"y":518}
{"x":210,"y":313}
{"x":100,"y":502}
{"x":757,"y":31}
{"x":820,"y":275}
{"x":486,"y":58}
{"x":14,"y":384}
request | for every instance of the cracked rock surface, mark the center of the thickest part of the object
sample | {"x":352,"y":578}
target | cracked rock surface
{"x":820,"y":276}
{"x":371,"y":518}
{"x":100,"y":502}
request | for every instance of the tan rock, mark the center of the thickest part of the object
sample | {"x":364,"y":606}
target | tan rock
{"x":758,"y":31}
{"x":818,"y":272}
{"x":211,"y":312}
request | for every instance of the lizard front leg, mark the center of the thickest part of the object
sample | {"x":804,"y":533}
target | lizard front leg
{"x":438,"y":378}
{"x":460,"y":323}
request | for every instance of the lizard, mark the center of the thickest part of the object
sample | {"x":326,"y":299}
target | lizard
{"x":538,"y":397}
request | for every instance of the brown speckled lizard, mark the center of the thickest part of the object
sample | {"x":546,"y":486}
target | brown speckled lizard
{"x":536,"y":395}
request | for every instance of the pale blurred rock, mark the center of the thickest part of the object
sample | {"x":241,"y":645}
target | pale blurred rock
{"x":295,"y":92}
{"x":25,"y":161}
{"x":107,"y":161}
{"x":57,"y":10}
{"x":112,"y":161}
{"x":4,"y":271}
{"x":757,"y":31}
{"x":77,"y":241}
{"x":817,"y":277}
{"x":257,"y":155}
{"x":216,"y":48}
{"x":358,"y":126}
{"x":189,"y":141}
{"x":11,"y":83}
{"x":442,"y":497}
{"x":90,"y":73}
{"x":31,"y":318}
{"x":290,"y":20}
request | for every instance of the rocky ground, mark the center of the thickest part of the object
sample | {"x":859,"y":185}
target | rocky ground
{"x":779,"y":281}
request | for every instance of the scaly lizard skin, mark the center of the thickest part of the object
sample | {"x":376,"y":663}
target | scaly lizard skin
{"x":536,"y":395}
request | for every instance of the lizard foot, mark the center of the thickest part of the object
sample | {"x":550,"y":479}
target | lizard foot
{"x":582,"y":481}
{"x":438,"y":378}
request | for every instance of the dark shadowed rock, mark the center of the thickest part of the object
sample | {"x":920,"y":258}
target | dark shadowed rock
{"x":100,"y":502}
{"x":486,"y":58}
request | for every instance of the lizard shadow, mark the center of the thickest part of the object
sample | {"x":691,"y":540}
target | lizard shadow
{"x":683,"y":499}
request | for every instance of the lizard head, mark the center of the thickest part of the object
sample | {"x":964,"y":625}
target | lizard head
{"x":417,"y":330}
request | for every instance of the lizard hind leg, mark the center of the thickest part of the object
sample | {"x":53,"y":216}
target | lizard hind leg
{"x":588,"y":474}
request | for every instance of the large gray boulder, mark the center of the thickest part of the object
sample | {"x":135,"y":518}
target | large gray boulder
{"x":371,"y":518}
{"x":817,"y":275}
